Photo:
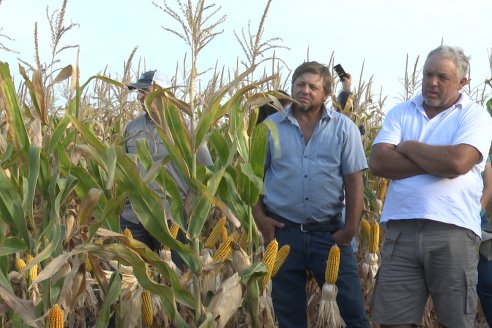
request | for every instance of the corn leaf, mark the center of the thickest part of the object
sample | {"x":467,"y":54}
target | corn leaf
{"x":148,"y":207}
{"x":33,"y":163}
{"x":16,"y":123}
{"x":110,"y":297}
{"x":11,"y":208}
{"x":12,"y":245}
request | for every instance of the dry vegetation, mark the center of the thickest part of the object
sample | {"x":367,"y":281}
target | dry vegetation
{"x":64,"y":178}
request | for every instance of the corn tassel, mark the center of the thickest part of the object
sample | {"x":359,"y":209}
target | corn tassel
{"x":269,"y":260}
{"x":147,"y":313}
{"x":217,"y":233}
{"x":282,"y":254}
{"x":55,"y":317}
{"x":329,"y":314}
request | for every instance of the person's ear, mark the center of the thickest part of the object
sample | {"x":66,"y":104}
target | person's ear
{"x":464,"y":81}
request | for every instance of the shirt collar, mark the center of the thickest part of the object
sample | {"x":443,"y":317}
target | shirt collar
{"x":462,"y":102}
{"x":288,"y":115}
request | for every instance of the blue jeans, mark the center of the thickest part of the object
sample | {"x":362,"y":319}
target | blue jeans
{"x":308,"y":252}
{"x":484,"y":287}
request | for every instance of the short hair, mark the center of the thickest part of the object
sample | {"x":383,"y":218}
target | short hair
{"x":455,"y":54}
{"x":314,"y":68}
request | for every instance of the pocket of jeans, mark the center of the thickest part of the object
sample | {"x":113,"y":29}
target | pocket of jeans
{"x":471,"y":278}
{"x":390,"y":240}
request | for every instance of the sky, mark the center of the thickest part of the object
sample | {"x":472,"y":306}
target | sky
{"x":375,"y":34}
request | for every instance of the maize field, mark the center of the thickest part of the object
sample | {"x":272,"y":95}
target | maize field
{"x":64,"y":178}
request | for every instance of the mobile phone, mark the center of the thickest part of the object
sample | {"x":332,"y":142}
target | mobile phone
{"x":340,"y":71}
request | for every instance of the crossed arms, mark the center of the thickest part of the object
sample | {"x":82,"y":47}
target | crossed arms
{"x":411,"y":158}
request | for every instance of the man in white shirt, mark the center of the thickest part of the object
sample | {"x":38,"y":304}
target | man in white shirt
{"x":433,"y":148}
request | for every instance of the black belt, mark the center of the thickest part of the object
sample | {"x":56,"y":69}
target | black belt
{"x":332,"y":225}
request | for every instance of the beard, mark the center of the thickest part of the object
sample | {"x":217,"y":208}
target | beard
{"x":306,"y":108}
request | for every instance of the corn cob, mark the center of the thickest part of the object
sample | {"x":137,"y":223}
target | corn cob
{"x":174,"y":229}
{"x":216,"y":233}
{"x":243,"y":240}
{"x":223,"y":234}
{"x":127,"y":232}
{"x":33,"y":272}
{"x":282,"y":254}
{"x":147,"y":313}
{"x":382,"y":189}
{"x":374,"y":240}
{"x":269,"y":260}
{"x":55,"y":317}
{"x":88,"y":264}
{"x":224,"y":250}
{"x":332,"y":264}
{"x":366,"y":230}
{"x":19,"y":265}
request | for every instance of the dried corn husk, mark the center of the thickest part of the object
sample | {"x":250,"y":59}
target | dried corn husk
{"x":227,"y":300}
{"x":329,"y":314}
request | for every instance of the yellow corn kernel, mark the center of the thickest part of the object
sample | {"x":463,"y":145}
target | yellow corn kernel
{"x":33,"y":272}
{"x":243,"y":240}
{"x":332,"y":264}
{"x":19,"y":265}
{"x":374,"y":240}
{"x":224,"y":250}
{"x":366,"y":228}
{"x":55,"y":317}
{"x":174,"y":229}
{"x":282,"y":254}
{"x":88,"y":264}
{"x":216,"y":233}
{"x":147,"y":313}
{"x":269,"y":260}
{"x":382,"y":189}
{"x":127,"y":232}
{"x":223,"y":234}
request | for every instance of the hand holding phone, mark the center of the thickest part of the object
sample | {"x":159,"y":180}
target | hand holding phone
{"x":340,"y":71}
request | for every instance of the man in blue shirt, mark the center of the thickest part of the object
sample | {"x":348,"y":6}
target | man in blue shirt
{"x":310,"y":176}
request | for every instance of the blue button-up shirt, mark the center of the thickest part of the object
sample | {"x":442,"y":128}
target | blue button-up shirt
{"x":305,"y":181}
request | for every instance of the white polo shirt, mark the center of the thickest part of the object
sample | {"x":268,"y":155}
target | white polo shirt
{"x":454,"y":201}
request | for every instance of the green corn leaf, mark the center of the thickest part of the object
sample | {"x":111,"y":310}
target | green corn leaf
{"x":16,"y":123}
{"x":111,"y":297}
{"x":12,"y":245}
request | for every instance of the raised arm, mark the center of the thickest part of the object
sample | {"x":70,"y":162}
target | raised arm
{"x":387,"y":162}
{"x":444,"y":161}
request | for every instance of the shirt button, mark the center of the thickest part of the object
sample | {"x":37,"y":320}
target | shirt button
{"x":306,"y":198}
{"x":305,"y":175}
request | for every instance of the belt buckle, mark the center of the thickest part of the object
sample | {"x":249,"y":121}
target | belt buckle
{"x":302,"y":228}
